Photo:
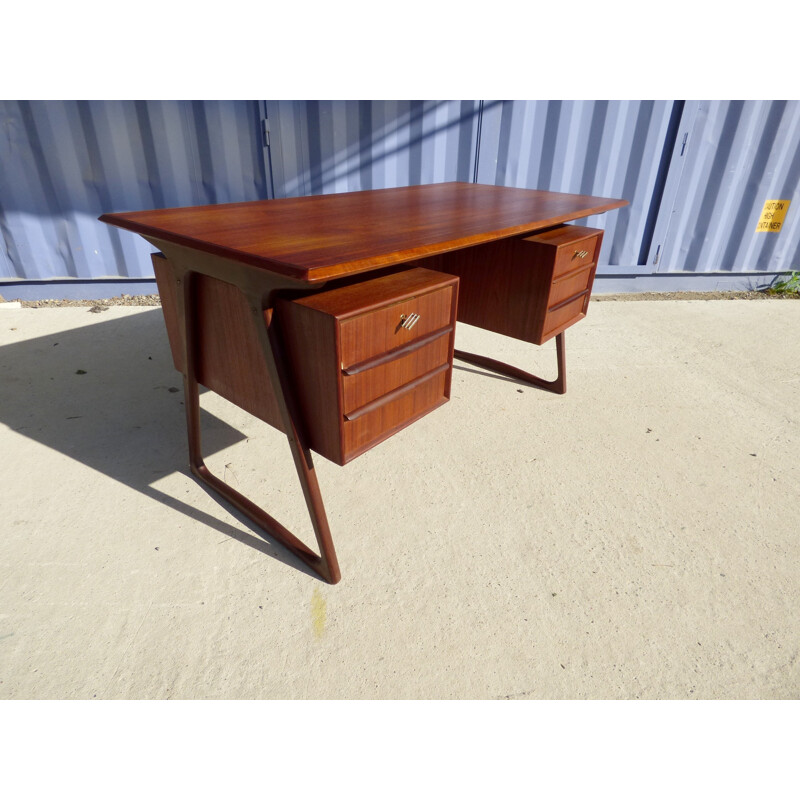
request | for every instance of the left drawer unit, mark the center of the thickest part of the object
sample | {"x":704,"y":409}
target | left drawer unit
{"x":368,"y":359}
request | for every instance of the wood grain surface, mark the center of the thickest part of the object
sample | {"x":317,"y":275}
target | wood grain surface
{"x":327,"y":236}
{"x":229,"y":357}
{"x":519,"y":286}
{"x":360,"y":376}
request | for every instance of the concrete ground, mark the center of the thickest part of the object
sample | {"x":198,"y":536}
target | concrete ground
{"x":634,"y":538}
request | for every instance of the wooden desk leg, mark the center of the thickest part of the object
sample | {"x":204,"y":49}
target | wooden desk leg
{"x":558,"y":386}
{"x":325,"y":564}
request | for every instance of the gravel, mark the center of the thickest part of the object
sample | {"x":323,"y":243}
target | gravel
{"x":696,"y":296}
{"x":97,"y":306}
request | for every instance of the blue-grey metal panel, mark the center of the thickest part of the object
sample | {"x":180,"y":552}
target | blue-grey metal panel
{"x":598,"y":147}
{"x":738,"y":154}
{"x":63,"y":163}
{"x":696,"y":173}
{"x":322,"y":147}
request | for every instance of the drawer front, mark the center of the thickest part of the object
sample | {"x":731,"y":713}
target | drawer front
{"x":569,"y":284}
{"x":366,"y":386}
{"x":379,"y":331}
{"x":368,"y":429}
{"x":572,"y":255}
{"x":564,"y":315}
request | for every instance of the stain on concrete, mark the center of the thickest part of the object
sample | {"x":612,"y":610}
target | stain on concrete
{"x":318,"y":613}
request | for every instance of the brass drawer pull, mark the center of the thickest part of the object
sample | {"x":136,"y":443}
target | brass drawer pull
{"x":581,"y":254}
{"x":408,"y":322}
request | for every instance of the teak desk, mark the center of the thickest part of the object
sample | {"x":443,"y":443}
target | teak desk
{"x":333,"y":317}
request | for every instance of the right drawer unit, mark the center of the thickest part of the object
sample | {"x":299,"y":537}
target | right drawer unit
{"x":565,"y":259}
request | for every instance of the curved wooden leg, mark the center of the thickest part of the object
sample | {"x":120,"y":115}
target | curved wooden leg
{"x":558,"y":386}
{"x":325,"y":564}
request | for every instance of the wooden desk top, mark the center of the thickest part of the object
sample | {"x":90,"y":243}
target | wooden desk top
{"x":328,"y":236}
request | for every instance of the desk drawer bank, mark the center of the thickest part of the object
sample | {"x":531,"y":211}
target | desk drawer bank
{"x":332,"y":318}
{"x":371,"y":358}
{"x":529,"y":287}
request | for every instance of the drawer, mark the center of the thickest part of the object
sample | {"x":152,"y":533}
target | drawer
{"x":377,"y":424}
{"x":579,"y":252}
{"x":380,"y":331}
{"x":368,"y":384}
{"x":564,"y":314}
{"x":569,"y":284}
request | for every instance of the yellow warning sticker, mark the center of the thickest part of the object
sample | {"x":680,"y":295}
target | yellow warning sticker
{"x":772,"y":216}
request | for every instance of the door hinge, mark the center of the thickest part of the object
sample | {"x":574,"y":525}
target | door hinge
{"x":683,"y":144}
{"x":265,"y":131}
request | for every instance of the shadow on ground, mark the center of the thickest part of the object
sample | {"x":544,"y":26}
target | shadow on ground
{"x":107,"y":395}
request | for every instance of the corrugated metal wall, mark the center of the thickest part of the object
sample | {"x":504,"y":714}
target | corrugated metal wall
{"x":64,"y":163}
{"x":322,"y":147}
{"x":604,"y":148}
{"x":737,"y":156}
{"x":696,"y":174}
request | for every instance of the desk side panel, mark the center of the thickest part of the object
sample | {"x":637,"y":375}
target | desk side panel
{"x":165,"y":280}
{"x":310,"y":343}
{"x":230,"y":359}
